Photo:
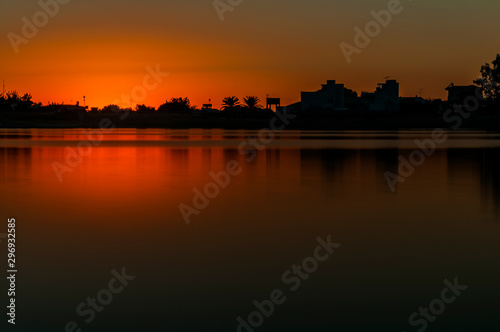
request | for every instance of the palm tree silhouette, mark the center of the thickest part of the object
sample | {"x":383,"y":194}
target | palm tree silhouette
{"x":251,"y":102}
{"x":229,"y":103}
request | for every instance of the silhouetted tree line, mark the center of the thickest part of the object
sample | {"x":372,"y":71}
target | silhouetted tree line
{"x":177,"y":105}
{"x":182,"y":105}
{"x":489,"y":82}
{"x":12,"y":100}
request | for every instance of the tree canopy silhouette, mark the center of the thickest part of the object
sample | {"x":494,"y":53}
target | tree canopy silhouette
{"x":177,"y":105}
{"x":11,"y":98}
{"x":111,"y":108}
{"x":144,"y":109}
{"x":490,"y":80}
{"x":251,"y":102}
{"x":230,"y":103}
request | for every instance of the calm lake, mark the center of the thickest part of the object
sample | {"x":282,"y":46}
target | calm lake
{"x":120,"y":206}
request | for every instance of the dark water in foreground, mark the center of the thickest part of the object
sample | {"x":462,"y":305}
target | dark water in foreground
{"x":118,"y":207}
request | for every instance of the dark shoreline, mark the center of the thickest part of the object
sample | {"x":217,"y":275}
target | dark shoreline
{"x":480,"y":120}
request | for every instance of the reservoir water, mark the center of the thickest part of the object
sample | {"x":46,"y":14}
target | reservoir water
{"x":205,"y":243}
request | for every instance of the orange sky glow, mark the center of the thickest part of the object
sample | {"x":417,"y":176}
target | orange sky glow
{"x":101,"y":50}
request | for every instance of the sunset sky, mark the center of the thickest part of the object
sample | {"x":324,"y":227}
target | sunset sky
{"x":101,"y":49}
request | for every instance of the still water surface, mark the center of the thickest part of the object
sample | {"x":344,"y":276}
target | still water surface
{"x":119,"y":207}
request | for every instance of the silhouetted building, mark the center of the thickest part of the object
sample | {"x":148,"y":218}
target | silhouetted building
{"x":415,"y":100}
{"x":457,"y":94}
{"x":207,"y":107}
{"x":386,"y":97}
{"x":276,"y":102}
{"x":72,"y":108}
{"x":291,"y":109}
{"x":329,"y":97}
{"x":367,"y":99}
